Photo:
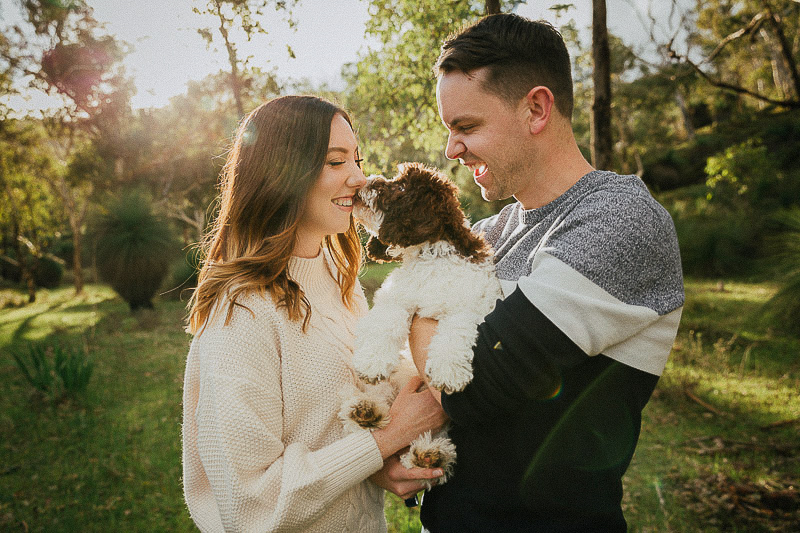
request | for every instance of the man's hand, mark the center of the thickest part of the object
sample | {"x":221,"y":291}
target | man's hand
{"x":419,"y":338}
{"x":402,"y":481}
{"x":412,"y":413}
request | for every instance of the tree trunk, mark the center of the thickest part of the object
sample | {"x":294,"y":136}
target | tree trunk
{"x":687,"y":119}
{"x":601,"y":107}
{"x":492,"y":7}
{"x":236,"y":82}
{"x":785,"y":50}
{"x":77,"y":267}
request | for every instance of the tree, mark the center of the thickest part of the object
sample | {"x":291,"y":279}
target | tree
{"x":247,"y":15}
{"x":601,"y":107}
{"x":29,"y":215}
{"x":62,"y":50}
{"x":748,"y":47}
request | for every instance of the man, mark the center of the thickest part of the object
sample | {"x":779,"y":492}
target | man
{"x":593,"y":293}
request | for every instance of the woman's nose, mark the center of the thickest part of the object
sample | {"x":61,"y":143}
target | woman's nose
{"x":356,"y":178}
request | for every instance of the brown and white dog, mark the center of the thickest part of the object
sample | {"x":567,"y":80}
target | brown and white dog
{"x":447,"y":273}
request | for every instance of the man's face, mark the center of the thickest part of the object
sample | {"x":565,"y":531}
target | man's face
{"x":487,"y":134}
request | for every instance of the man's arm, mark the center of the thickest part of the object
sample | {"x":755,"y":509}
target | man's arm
{"x":419,"y":338}
{"x":519,"y":355}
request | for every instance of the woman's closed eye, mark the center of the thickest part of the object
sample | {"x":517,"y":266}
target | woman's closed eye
{"x":338,"y":162}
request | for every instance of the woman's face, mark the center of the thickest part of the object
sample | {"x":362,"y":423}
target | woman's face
{"x":329,"y":204}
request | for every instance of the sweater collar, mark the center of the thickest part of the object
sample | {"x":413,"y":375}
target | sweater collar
{"x":312,"y":274}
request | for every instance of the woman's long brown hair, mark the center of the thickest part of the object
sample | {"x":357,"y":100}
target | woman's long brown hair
{"x":279,"y":152}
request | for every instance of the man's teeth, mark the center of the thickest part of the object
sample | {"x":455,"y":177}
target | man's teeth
{"x":344,"y":202}
{"x":480,"y":169}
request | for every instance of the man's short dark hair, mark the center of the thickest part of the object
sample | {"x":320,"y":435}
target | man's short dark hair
{"x":519,"y":54}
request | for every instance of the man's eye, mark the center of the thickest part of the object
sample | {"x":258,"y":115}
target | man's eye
{"x":335,"y":163}
{"x":359,"y":161}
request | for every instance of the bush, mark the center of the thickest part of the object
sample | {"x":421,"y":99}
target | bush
{"x":134,"y":249}
{"x":49,"y":272}
{"x":184,"y":275}
{"x":55,"y":371}
{"x":783,"y":309}
{"x":716,"y":245}
{"x":744,"y":173}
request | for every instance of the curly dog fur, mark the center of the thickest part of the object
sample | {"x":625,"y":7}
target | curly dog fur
{"x":447,"y":273}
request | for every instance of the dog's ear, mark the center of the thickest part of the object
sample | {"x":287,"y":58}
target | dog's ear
{"x":376,"y":250}
{"x":469,"y":245}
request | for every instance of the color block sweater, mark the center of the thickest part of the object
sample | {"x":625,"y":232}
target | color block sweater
{"x":263,"y":449}
{"x":564,"y":365}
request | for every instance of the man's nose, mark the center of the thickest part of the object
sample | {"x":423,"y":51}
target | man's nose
{"x":455,"y":148}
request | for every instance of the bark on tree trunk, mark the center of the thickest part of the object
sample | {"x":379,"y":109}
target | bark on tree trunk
{"x":786,"y":52}
{"x":492,"y":7}
{"x":601,"y":76}
{"x":687,"y":119}
{"x":77,"y":267}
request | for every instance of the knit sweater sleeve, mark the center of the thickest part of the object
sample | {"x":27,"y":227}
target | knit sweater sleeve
{"x":258,"y":483}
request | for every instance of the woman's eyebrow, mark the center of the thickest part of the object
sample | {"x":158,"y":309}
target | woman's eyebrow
{"x":338,"y":149}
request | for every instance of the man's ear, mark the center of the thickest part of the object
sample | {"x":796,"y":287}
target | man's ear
{"x":376,"y":250}
{"x":540,"y":103}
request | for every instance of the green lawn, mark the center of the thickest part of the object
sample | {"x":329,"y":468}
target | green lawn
{"x":718,"y":450}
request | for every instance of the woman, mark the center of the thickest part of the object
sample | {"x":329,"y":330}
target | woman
{"x":273,"y":317}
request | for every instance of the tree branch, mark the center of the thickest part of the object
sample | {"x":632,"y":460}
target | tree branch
{"x":751,"y":27}
{"x":792,"y":103}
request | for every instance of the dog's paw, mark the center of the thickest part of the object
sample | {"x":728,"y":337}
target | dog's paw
{"x":448,"y":377}
{"x":363,"y":411}
{"x":370,"y":366}
{"x":431,"y":452}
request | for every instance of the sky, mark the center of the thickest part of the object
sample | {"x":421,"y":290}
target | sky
{"x":167,"y":50}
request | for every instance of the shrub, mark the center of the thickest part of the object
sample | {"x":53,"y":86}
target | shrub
{"x":744,"y":173}
{"x":49,"y":271}
{"x":134,"y":249}
{"x":184,"y":275}
{"x":717,"y":244}
{"x":783,"y":309}
{"x":55,"y":371}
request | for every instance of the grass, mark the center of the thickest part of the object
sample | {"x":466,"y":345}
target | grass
{"x":717,"y":453}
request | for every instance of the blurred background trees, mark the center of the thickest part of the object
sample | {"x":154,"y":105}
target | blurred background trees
{"x":708,"y":115}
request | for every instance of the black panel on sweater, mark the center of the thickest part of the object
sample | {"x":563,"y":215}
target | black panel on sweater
{"x":541,"y":411}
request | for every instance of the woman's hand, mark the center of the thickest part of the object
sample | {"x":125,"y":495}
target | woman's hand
{"x":412,"y":413}
{"x":402,"y":481}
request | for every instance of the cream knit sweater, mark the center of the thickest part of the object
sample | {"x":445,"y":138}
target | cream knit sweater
{"x":263,"y":449}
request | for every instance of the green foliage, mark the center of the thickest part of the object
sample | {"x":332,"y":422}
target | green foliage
{"x":714,"y":240}
{"x":783,"y":309}
{"x":716,"y":244}
{"x":134,"y":249}
{"x":36,"y":367}
{"x":754,"y":56}
{"x":55,"y":371}
{"x":744,"y":175}
{"x":48,"y":271}
{"x":183,"y":276}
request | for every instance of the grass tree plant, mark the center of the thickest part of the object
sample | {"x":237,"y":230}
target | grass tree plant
{"x":134,"y":249}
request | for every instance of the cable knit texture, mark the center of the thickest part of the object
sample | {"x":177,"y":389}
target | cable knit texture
{"x":263,"y":448}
